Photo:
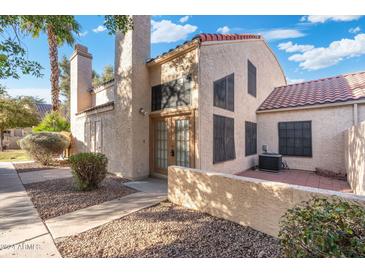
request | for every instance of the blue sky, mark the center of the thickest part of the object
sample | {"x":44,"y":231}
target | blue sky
{"x":308,"y":47}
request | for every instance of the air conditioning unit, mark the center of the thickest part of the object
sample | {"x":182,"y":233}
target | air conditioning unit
{"x":270,"y":162}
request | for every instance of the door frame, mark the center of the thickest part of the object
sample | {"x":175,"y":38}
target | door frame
{"x":174,"y":114}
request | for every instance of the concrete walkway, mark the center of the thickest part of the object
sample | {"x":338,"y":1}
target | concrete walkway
{"x":152,"y":191}
{"x":44,"y":175}
{"x":22,"y":232}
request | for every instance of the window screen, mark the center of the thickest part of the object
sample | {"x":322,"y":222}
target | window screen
{"x":224,"y":92}
{"x":251,"y":78}
{"x":295,"y":138}
{"x":250,"y":138}
{"x":223,"y":140}
{"x":172,"y":94}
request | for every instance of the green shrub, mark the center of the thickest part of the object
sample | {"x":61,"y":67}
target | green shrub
{"x":323,"y":228}
{"x":44,"y":146}
{"x":89,"y":169}
{"x":53,"y":122}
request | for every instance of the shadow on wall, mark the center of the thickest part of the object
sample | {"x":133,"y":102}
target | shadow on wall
{"x":355,"y":157}
{"x":247,"y":201}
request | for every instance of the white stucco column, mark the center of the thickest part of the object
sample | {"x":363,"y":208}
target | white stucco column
{"x":80,"y":86}
{"x":132,"y":92}
{"x":81,"y":79}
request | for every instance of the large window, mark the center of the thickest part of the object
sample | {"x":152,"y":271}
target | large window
{"x":172,"y":94}
{"x":224,"y":92}
{"x":251,"y":78}
{"x":250,"y":138}
{"x":223,"y":140}
{"x":295,"y":138}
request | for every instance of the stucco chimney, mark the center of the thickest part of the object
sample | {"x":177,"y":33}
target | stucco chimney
{"x":81,"y":79}
{"x":132,"y":93}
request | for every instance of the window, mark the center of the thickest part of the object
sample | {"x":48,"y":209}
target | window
{"x":224,"y":92}
{"x":295,"y":138}
{"x":223,"y":139}
{"x":172,"y":94}
{"x":251,"y":78}
{"x":250,"y":138}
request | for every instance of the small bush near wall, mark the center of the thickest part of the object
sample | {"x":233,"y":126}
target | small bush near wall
{"x":323,"y":228}
{"x":44,"y":146}
{"x":89,"y":169}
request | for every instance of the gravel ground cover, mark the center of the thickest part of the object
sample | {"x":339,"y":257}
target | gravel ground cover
{"x":34,"y":166}
{"x":167,"y":230}
{"x":57,"y":197}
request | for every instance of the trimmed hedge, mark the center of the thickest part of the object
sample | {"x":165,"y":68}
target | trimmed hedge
{"x":324,"y":228}
{"x":44,"y":146}
{"x":89,"y":169}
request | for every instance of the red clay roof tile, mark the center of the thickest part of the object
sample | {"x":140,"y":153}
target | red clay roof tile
{"x":328,"y":90}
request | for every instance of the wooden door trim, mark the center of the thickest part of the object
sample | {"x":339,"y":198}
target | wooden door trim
{"x":171,"y":115}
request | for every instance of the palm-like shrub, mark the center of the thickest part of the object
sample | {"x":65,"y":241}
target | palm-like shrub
{"x":89,"y":169}
{"x":44,"y":146}
{"x":324,"y":228}
{"x":53,"y":122}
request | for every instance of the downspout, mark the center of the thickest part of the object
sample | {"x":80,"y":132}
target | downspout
{"x":355,"y":114}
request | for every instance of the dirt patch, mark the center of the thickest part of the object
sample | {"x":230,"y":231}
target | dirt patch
{"x":57,"y":197}
{"x":167,"y":230}
{"x":34,"y":166}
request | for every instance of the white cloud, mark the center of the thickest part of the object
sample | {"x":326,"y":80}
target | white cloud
{"x":184,"y":19}
{"x":43,"y":93}
{"x":100,"y":28}
{"x":224,"y":29}
{"x":324,"y":18}
{"x":277,"y":34}
{"x":83,"y":34}
{"x":290,"y":47}
{"x":323,"y":57}
{"x":167,"y":32}
{"x":355,"y":30}
{"x":294,"y":81}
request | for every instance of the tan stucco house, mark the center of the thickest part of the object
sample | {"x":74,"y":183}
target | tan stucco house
{"x":210,"y":103}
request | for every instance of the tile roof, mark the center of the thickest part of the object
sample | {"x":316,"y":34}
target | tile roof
{"x":336,"y":89}
{"x":43,"y":109}
{"x":205,"y":37}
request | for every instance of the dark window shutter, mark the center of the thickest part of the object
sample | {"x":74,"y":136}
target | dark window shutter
{"x":295,"y":138}
{"x":223,"y":139}
{"x":250,"y":138}
{"x":172,"y":94}
{"x":230,"y":92}
{"x":229,"y":139}
{"x":156,"y":97}
{"x":224,"y":92}
{"x":251,"y":78}
{"x":220,"y":93}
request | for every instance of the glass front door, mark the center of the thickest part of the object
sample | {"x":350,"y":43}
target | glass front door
{"x":172,"y":142}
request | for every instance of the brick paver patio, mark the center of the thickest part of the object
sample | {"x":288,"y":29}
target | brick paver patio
{"x":299,"y":177}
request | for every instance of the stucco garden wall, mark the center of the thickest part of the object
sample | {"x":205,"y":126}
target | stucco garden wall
{"x":328,"y":127}
{"x":217,"y":60}
{"x":247,"y":201}
{"x":355,"y":157}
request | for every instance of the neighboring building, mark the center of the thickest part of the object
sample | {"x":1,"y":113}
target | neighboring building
{"x":211,"y":104}
{"x":12,"y":136}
